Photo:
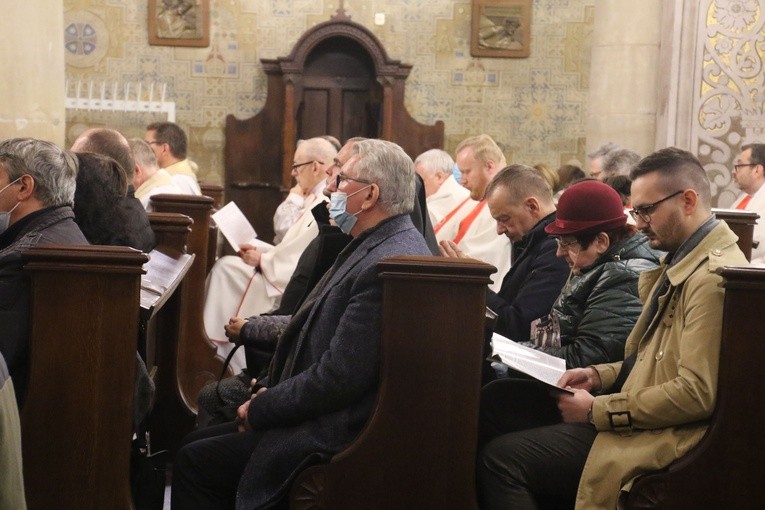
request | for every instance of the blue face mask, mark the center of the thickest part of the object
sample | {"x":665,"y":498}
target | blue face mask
{"x":337,"y":210}
{"x":5,"y":217}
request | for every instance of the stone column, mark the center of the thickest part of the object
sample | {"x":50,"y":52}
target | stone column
{"x":32,"y":65}
{"x":624,"y":74}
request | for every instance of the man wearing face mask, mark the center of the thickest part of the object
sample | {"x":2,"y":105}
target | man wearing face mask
{"x":37,"y":181}
{"x":322,"y":382}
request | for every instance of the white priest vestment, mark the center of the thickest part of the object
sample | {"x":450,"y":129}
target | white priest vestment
{"x":236,"y":289}
{"x":184,"y":177}
{"x":448,"y":196}
{"x":475,"y":233}
{"x":160,"y":182}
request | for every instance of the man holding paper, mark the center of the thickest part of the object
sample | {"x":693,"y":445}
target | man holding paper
{"x":253,"y":282}
{"x":636,"y":416}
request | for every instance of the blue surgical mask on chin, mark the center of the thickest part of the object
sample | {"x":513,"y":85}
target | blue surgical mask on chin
{"x":338,"y":202}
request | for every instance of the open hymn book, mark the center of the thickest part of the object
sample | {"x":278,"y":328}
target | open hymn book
{"x":236,"y":229}
{"x":537,"y":364}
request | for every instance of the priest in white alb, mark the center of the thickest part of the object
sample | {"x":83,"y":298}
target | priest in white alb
{"x":252,"y":282}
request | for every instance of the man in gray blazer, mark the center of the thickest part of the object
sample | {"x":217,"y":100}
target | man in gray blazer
{"x":322,"y":382}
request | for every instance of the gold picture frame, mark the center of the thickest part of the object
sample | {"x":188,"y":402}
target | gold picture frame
{"x":179,"y":23}
{"x":501,"y":28}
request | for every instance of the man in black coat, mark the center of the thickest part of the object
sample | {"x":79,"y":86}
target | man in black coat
{"x":521,"y":202}
{"x":37,"y":181}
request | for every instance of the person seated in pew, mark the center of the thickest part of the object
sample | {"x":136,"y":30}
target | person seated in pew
{"x":169,"y":143}
{"x":12,"y":480}
{"x":520,"y":202}
{"x":474,"y":233}
{"x":137,"y":232}
{"x":37,"y":181}
{"x":252,"y":282}
{"x":148,"y":178}
{"x":322,"y":383}
{"x":219,"y":401}
{"x":101,"y":185}
{"x":749,"y":174}
{"x":257,"y":335}
{"x":289,"y":211}
{"x":443,"y":193}
{"x":596,"y":310}
{"x":641,"y":414}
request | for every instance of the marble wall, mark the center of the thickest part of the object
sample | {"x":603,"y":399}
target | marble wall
{"x":536,"y":107}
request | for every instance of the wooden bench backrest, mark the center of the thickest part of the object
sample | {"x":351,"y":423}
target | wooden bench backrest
{"x":77,"y":420}
{"x":742,"y":224}
{"x":418,"y":449}
{"x":197,"y":362}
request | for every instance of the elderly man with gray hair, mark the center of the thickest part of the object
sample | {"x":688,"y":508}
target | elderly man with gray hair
{"x":596,"y":159}
{"x":443,"y":193}
{"x":618,"y":162}
{"x":323,"y":380}
{"x":37,"y":181}
{"x":149,"y":179}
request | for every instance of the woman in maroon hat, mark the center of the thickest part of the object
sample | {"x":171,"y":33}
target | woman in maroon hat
{"x":595,"y":312}
{"x":597,"y":309}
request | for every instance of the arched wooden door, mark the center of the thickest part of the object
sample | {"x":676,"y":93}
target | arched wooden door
{"x":341,"y":96}
{"x":337,"y":80}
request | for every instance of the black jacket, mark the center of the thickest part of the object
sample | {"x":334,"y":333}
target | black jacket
{"x":54,"y":225}
{"x":531,"y":286}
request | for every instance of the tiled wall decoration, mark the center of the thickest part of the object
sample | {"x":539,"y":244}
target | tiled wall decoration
{"x":534,"y":107}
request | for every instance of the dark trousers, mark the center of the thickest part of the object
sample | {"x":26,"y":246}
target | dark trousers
{"x":208,"y":467}
{"x":528,"y":458}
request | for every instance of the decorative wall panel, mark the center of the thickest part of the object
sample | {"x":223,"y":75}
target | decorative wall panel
{"x":535,"y":107}
{"x":729,"y":87}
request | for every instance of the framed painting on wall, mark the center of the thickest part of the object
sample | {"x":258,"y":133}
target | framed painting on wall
{"x":179,"y":23}
{"x":500,"y":28}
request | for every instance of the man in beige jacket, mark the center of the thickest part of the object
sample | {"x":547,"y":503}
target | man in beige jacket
{"x":639,"y":415}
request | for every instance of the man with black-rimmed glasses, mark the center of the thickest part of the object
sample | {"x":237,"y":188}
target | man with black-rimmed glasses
{"x":749,"y":174}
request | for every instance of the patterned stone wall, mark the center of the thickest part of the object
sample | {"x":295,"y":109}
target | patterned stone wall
{"x":534,"y":107}
{"x":729,"y":87}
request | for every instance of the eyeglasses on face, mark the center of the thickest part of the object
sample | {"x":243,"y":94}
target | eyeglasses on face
{"x":342,"y":177}
{"x":644,"y":212}
{"x":564,"y":245}
{"x":298,"y":165}
{"x":742,"y":165}
{"x":153,"y":142}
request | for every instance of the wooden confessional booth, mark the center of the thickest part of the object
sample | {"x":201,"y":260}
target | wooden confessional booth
{"x":338,"y":80}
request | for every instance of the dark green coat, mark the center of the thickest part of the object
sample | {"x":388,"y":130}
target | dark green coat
{"x":598,"y":309}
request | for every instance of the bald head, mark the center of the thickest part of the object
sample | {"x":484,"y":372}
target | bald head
{"x":107,"y":142}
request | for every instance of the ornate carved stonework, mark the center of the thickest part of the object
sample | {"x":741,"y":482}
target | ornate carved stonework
{"x":729,"y":88}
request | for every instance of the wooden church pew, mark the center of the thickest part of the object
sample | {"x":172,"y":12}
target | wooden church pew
{"x":418,"y":449}
{"x":170,"y":418}
{"x":742,"y":224}
{"x":197,"y":360}
{"x":726,"y":469}
{"x":77,"y":421}
{"x":214,"y":249}
{"x":214,"y":191}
